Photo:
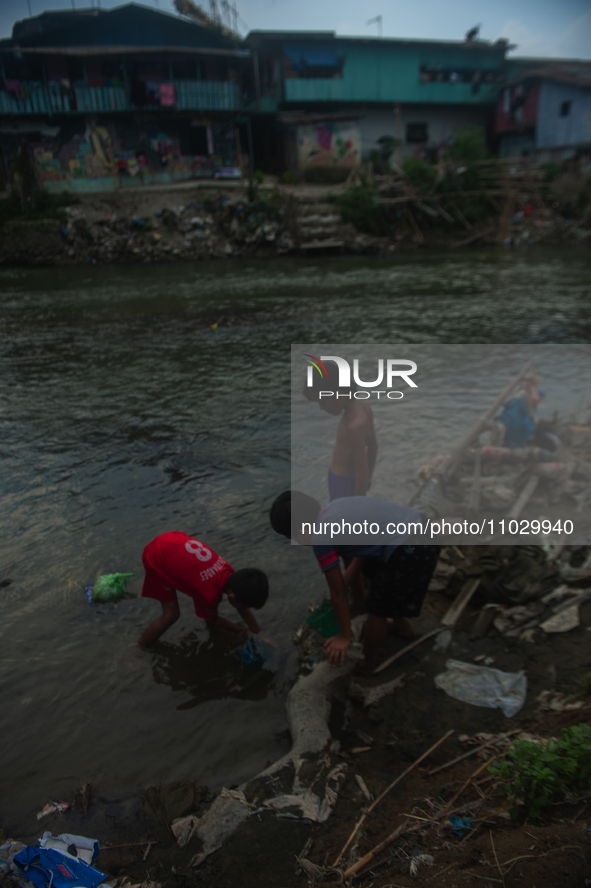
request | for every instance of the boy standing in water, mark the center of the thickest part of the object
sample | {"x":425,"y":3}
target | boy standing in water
{"x":174,"y":561}
{"x":356,"y":447}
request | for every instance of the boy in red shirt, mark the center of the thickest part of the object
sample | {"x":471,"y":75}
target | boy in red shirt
{"x":174,"y":561}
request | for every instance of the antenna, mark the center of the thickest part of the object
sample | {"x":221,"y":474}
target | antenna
{"x":377,"y":20}
{"x":29,"y":5}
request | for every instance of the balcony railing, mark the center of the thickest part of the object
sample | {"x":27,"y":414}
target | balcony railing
{"x":34,"y":97}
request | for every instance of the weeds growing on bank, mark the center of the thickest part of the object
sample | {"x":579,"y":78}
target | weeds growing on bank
{"x":539,"y":774}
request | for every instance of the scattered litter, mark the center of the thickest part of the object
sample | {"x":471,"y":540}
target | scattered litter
{"x":443,"y":641}
{"x":183,"y":828}
{"x":310,"y":806}
{"x":513,"y":620}
{"x":461,"y":825}
{"x":417,"y":860}
{"x":110,"y":587}
{"x":256,"y":653}
{"x":482,"y":686}
{"x":558,"y":702}
{"x":363,"y":787}
{"x":76,"y":847}
{"x":56,"y":806}
{"x":564,"y":621}
{"x":60,"y":862}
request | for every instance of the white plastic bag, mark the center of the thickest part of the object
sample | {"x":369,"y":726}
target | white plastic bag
{"x":483,"y":686}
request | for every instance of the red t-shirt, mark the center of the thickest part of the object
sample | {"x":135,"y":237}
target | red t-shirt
{"x":176,"y":561}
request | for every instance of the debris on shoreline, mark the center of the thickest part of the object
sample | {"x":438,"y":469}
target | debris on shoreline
{"x":513,"y":208}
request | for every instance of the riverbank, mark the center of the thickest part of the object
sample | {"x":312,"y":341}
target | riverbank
{"x":288,"y":826}
{"x":197,"y":221}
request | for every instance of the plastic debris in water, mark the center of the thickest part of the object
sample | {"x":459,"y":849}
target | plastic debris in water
{"x":88,"y":592}
{"x":110,"y":587}
{"x":255,"y":653}
{"x":56,"y":806}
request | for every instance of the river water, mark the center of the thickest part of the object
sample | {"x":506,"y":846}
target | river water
{"x":123,"y":415}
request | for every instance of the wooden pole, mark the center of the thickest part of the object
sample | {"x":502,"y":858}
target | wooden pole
{"x":409,"y":647}
{"x":385,"y":792}
{"x":453,"y":613}
{"x":471,"y":436}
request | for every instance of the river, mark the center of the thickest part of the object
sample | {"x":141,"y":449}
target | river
{"x":124,"y":414}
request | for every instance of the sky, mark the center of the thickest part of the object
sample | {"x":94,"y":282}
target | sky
{"x":538,"y":27}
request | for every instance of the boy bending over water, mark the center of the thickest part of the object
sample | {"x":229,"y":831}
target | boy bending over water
{"x":398,"y":574}
{"x":174,"y":561}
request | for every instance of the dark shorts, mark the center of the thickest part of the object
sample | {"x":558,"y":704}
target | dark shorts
{"x":398,"y":588}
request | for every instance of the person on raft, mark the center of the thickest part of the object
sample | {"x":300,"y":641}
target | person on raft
{"x":398,"y":573}
{"x":174,"y":561}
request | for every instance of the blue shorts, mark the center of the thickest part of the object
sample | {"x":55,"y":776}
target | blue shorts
{"x":340,"y":485}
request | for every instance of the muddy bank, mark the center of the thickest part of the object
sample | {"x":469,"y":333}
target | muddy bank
{"x":308,"y":804}
{"x":194,"y":222}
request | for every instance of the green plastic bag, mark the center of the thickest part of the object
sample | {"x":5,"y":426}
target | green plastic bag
{"x":110,"y":587}
{"x":323,"y":619}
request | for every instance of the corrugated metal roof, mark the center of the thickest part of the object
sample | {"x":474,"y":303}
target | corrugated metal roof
{"x":128,"y":25}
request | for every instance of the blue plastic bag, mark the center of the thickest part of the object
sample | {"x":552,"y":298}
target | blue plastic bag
{"x":45,"y":867}
{"x":255,"y":653}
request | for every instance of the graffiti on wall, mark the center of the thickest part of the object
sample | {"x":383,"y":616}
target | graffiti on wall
{"x":329,"y":143}
{"x":101,"y":151}
{"x":88,"y":155}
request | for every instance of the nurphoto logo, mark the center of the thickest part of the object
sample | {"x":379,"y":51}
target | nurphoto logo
{"x":338,"y":379}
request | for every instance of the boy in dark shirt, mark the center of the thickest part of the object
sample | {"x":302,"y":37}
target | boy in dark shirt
{"x":398,"y":574}
{"x":176,"y":561}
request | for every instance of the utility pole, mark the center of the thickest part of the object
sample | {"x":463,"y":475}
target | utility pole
{"x":377,"y":20}
{"x":29,"y":5}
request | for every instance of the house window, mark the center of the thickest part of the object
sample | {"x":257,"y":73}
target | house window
{"x":312,"y":64}
{"x":565,"y":109}
{"x":417,"y":132}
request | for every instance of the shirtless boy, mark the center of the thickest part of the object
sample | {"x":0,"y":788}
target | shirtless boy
{"x":174,"y":561}
{"x":356,"y":448}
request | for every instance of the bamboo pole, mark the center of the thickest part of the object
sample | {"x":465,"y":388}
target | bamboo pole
{"x":385,"y":792}
{"x":471,"y":436}
{"x":408,"y":647}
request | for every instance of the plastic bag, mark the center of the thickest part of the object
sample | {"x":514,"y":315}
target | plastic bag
{"x":256,"y":653}
{"x":46,"y":867}
{"x":110,"y":587}
{"x":483,"y":686}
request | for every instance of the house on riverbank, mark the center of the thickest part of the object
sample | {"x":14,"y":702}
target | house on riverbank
{"x":107,"y":98}
{"x":544,"y":110}
{"x":322,"y":101}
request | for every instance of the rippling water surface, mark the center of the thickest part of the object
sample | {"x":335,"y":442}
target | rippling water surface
{"x":123,"y":415}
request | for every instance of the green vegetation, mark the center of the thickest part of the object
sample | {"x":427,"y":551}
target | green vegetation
{"x":288,"y":178}
{"x":360,"y":207}
{"x":541,"y":773}
{"x":552,"y":171}
{"x":39,"y":205}
{"x":468,"y":146}
{"x":258,"y":177}
{"x":420,"y":173}
{"x":27,"y":200}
